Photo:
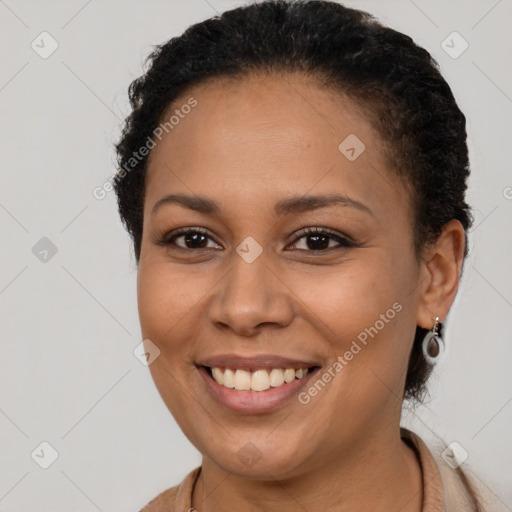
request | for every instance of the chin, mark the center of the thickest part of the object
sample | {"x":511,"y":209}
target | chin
{"x":258,"y":459}
{"x":268,"y":467}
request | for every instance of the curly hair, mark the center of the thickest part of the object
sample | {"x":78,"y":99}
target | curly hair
{"x":395,"y":82}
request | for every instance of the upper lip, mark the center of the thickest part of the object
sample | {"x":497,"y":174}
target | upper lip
{"x":260,"y":361}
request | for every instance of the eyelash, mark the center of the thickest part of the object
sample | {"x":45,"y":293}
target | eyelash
{"x":310,"y":231}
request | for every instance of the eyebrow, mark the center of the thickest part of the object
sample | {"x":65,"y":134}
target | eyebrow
{"x":296,"y":204}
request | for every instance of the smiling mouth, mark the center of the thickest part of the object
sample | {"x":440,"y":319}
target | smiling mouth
{"x":257,"y":380}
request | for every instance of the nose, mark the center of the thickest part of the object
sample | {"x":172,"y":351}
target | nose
{"x":250,"y":296}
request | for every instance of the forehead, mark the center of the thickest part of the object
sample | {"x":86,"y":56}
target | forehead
{"x":250,"y":140}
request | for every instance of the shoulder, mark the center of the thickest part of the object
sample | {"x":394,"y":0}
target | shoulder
{"x":463,"y":489}
{"x":164,"y":501}
{"x":177,"y":498}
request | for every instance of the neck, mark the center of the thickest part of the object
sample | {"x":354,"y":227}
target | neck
{"x":380,"y":474}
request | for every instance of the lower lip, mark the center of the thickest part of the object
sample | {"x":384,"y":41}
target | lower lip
{"x":254,"y":402}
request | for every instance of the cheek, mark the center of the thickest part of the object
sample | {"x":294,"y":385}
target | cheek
{"x":386,"y":327}
{"x":349,"y":298}
{"x":164,"y":295}
{"x":166,"y":301}
{"x":365,"y":314}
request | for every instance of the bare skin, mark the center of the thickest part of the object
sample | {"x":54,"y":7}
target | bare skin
{"x":247,"y":145}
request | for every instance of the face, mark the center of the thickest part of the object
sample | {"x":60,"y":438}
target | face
{"x":250,"y":292}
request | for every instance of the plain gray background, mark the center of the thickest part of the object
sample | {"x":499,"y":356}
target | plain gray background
{"x":68,"y":373}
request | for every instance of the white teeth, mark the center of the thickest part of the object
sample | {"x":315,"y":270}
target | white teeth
{"x":289,"y":375}
{"x":276,"y":377}
{"x":259,"y":380}
{"x":218,"y":375}
{"x":229,"y":378}
{"x":242,"y":380}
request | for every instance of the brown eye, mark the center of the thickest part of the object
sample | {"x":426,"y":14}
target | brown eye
{"x":319,"y":239}
{"x":193,"y":238}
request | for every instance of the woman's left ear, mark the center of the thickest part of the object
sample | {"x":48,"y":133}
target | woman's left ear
{"x":442,"y":267}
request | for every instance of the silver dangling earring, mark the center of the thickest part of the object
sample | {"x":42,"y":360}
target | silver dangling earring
{"x":433,"y":344}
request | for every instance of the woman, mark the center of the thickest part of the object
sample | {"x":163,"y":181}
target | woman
{"x":293,"y":177}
